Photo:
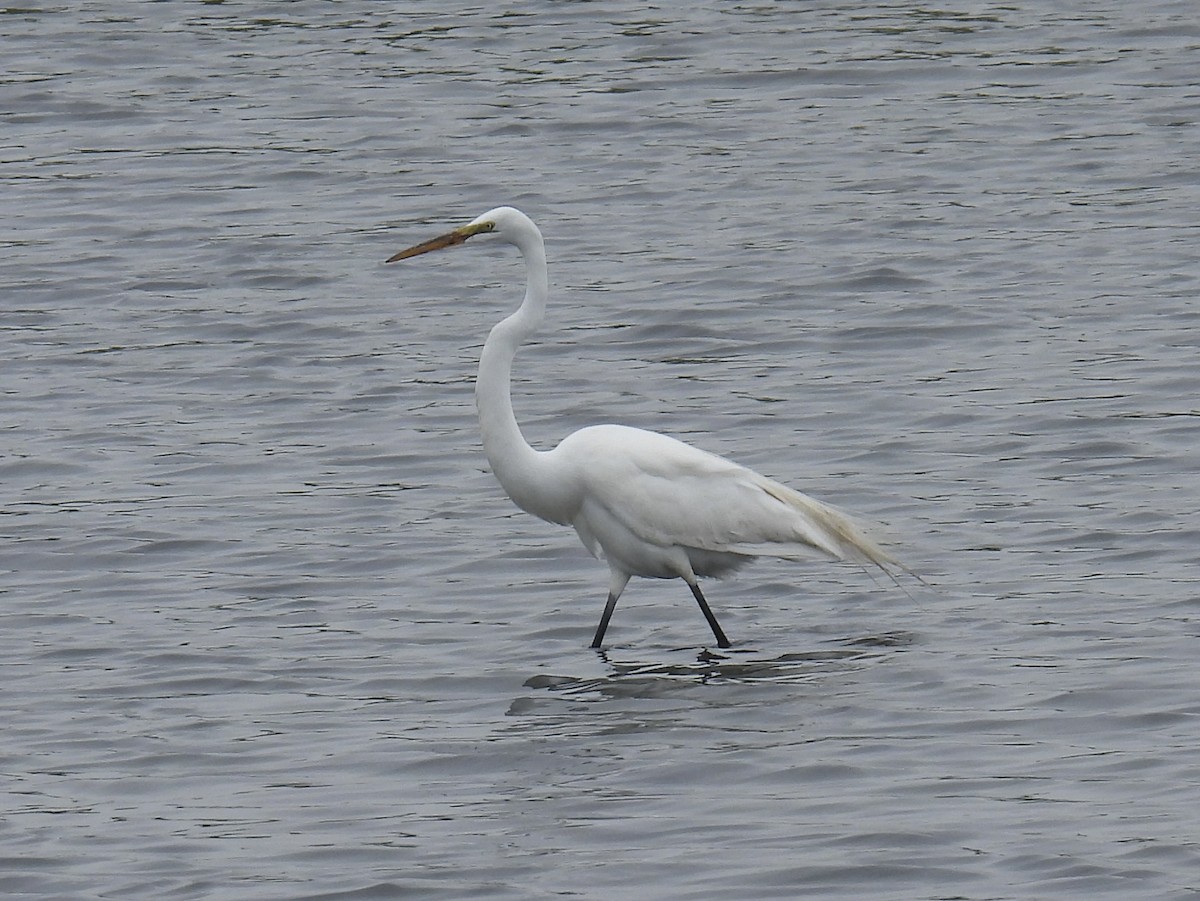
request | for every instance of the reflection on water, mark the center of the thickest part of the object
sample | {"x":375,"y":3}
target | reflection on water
{"x":654,"y":679}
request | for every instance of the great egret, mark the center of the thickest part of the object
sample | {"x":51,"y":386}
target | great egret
{"x":648,"y":504}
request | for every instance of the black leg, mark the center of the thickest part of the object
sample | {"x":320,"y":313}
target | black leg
{"x":722,"y":641}
{"x":603,"y":627}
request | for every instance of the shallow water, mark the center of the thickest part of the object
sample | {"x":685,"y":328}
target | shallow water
{"x":270,"y":630}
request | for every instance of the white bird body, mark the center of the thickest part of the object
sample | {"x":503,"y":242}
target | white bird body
{"x":668,"y":494}
{"x":646,"y":503}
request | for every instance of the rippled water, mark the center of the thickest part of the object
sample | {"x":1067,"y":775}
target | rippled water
{"x":270,"y":630}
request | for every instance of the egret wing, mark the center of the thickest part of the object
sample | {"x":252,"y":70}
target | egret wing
{"x":669,"y":493}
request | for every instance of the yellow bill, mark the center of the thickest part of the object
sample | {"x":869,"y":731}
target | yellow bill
{"x":458,"y":236}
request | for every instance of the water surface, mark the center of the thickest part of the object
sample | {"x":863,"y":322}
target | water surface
{"x":270,"y":630}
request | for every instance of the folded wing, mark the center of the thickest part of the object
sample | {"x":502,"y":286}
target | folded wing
{"x":671,"y":494}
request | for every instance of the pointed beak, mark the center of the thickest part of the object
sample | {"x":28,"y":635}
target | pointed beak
{"x":458,"y":236}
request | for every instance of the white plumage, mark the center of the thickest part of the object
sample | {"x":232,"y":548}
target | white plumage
{"x":646,"y":503}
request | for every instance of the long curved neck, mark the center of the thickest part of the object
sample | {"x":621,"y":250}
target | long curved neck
{"x":513,"y":461}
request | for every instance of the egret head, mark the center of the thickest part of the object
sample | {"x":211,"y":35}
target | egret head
{"x":504,"y":222}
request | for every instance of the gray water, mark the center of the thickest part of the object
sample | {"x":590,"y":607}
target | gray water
{"x":270,"y":630}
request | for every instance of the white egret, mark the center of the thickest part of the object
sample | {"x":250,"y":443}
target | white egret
{"x":647,"y":504}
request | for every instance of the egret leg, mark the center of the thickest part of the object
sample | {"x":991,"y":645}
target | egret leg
{"x":603,"y":627}
{"x":722,"y":641}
